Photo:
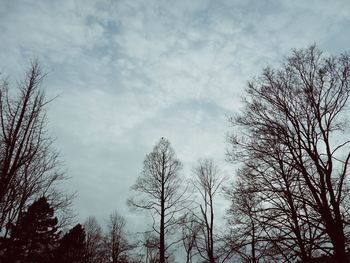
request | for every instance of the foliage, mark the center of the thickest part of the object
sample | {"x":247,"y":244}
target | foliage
{"x":35,"y":236}
{"x":72,"y":247}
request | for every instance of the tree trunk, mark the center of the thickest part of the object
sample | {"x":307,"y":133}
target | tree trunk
{"x":335,"y":231}
{"x":338,"y":241}
{"x":161,"y":237}
{"x":211,"y":230}
{"x":162,"y":215}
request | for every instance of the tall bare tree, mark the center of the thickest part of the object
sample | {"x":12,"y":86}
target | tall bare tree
{"x":161,"y":192}
{"x":300,"y":109}
{"x":151,"y":245}
{"x":290,"y":224}
{"x":29,"y":165}
{"x":207,"y":182}
{"x":93,"y":241}
{"x":116,"y":243}
{"x":190,"y":228}
{"x":246,"y":239}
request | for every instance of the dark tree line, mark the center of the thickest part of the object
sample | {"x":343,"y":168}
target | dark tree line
{"x":289,"y":200}
{"x":36,"y":239}
{"x":33,"y":211}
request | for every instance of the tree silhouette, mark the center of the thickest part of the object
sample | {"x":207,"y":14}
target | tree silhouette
{"x":246,"y":237}
{"x":298,"y":110}
{"x":35,"y":236}
{"x":29,"y":165}
{"x":160,"y":189}
{"x":72,"y":248}
{"x":94,"y":241}
{"x":207,"y":182}
{"x":116,"y":244}
{"x":190,"y":228}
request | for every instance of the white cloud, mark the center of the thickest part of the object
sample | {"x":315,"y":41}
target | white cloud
{"x":130,"y":72}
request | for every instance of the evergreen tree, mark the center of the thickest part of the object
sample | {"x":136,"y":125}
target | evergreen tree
{"x":72,"y":248}
{"x":35,"y":235}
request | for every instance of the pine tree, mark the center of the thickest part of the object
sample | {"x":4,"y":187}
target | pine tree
{"x":72,"y":248}
{"x":35,"y":236}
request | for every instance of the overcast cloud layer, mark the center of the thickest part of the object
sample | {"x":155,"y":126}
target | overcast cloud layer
{"x":130,"y":72}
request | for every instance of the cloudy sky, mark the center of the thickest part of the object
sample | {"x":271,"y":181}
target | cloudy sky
{"x":129,"y":72}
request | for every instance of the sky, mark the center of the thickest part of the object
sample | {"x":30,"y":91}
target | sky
{"x":128,"y":72}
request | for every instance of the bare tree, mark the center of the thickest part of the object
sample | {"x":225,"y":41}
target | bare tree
{"x":151,"y":245}
{"x":93,"y":241}
{"x":290,"y":224}
{"x":160,"y":192}
{"x":207,"y":182}
{"x":190,"y":228}
{"x":288,"y":218}
{"x":29,"y":165}
{"x":246,"y":237}
{"x":300,"y":109}
{"x":116,"y":243}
